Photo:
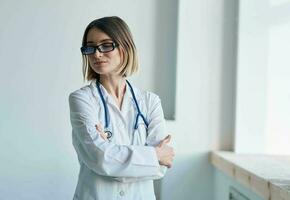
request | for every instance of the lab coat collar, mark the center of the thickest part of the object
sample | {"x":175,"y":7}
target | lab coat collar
{"x":128,"y":93}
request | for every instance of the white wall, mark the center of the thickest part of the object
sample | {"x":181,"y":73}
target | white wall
{"x":41,"y":65}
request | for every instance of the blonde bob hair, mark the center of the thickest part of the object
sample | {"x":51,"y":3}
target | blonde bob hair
{"x":120,"y":33}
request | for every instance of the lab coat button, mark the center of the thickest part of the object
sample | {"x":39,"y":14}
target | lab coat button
{"x":121,"y":193}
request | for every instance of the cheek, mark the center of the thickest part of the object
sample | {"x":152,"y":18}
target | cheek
{"x":114,"y":58}
{"x":119,"y":60}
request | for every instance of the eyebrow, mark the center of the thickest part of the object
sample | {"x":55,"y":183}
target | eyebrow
{"x":99,"y":42}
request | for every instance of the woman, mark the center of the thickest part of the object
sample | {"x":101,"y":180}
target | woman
{"x":118,"y":130}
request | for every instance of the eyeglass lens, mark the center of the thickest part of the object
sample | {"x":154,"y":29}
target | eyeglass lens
{"x":103,"y":48}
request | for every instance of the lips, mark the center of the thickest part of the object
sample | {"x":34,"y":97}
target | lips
{"x":100,"y":62}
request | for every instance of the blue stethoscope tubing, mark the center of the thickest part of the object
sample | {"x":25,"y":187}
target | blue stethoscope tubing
{"x":107,"y":120}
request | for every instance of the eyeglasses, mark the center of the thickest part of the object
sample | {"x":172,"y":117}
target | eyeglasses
{"x":103,"y":48}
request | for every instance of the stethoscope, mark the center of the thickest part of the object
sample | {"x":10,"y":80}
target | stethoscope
{"x":108,"y":129}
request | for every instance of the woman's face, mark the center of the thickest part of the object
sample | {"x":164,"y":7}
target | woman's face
{"x":103,"y":63}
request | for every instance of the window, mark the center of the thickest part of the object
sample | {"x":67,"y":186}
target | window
{"x":263,"y":78}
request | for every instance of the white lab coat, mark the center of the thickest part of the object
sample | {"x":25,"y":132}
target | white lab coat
{"x":125,"y":167}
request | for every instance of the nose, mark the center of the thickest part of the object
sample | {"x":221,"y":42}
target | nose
{"x":98,"y":53}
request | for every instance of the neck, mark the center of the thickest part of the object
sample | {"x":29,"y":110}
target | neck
{"x":115,"y":85}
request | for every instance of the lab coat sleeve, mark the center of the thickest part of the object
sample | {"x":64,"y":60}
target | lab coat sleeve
{"x":104,"y":157}
{"x":156,"y":133}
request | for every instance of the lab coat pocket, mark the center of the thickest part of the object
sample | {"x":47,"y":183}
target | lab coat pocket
{"x":140,"y":134}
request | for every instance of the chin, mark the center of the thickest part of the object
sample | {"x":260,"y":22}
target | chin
{"x":100,"y":69}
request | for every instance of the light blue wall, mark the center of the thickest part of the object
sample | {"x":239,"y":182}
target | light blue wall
{"x":41,"y":65}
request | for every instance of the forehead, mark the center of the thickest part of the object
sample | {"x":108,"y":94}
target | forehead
{"x":96,"y":36}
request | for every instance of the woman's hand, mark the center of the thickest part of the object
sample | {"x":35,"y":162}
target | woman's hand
{"x":164,"y":152}
{"x":100,"y":130}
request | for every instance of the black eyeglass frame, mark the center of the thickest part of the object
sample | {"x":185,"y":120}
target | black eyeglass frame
{"x":99,"y":48}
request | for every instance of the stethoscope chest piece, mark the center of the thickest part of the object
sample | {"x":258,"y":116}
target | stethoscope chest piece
{"x":109,"y":134}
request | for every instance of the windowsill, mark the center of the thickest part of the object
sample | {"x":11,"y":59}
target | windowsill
{"x":268,"y":176}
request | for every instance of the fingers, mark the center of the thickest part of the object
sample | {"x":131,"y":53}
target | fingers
{"x":104,"y":135}
{"x":165,"y":140}
{"x":168,"y":155}
{"x":168,"y":163}
{"x":99,"y":127}
{"x":101,"y":131}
